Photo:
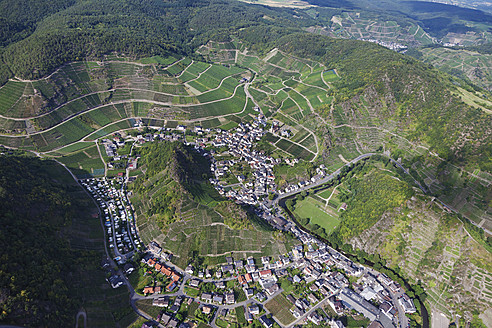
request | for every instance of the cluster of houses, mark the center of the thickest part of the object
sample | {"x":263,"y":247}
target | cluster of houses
{"x":371,"y":287}
{"x":372,"y":295}
{"x":323,"y":271}
{"x":167,"y":317}
{"x":164,"y":270}
{"x":239,"y":144}
{"x":218,"y":298}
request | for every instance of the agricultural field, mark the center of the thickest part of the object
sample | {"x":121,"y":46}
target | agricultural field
{"x":156,"y":87}
{"x":279,"y":307}
{"x":84,"y":163}
{"x":361,"y":26}
{"x":167,"y":90}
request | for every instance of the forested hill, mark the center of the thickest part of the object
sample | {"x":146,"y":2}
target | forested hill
{"x":36,"y":42}
{"x":40,"y":267}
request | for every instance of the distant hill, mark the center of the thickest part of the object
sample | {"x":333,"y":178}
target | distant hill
{"x":77,"y":30}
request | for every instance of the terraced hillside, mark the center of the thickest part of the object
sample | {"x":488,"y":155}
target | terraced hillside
{"x":356,"y":25}
{"x":300,"y":93}
{"x":84,"y":97}
{"x":63,"y":114}
{"x":428,"y":244}
{"x":178,"y":208}
{"x":470,"y":64}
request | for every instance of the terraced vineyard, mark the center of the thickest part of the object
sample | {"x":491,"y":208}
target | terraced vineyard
{"x":84,"y":101}
{"x":473,"y":65}
{"x":62,"y":114}
{"x":432,"y":246}
{"x":352,"y":25}
{"x":87,"y":98}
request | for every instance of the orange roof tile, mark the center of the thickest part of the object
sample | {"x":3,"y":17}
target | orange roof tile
{"x":166,"y":271}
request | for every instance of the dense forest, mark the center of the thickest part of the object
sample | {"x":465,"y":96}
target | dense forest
{"x":38,"y":264}
{"x":132,"y":27}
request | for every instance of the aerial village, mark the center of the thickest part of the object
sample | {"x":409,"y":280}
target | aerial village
{"x":311,"y":284}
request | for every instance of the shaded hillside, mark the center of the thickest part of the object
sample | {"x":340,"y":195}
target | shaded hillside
{"x":52,"y":244}
{"x":177,"y":207}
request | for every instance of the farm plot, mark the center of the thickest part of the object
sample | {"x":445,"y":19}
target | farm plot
{"x":177,"y":68}
{"x":223,"y":107}
{"x":226,"y":90}
{"x":295,"y":150}
{"x":330,"y":76}
{"x":309,"y":143}
{"x":315,"y":79}
{"x":164,"y":61}
{"x":213,"y":76}
{"x":111,"y":128}
{"x":84,"y":163}
{"x":71,"y":148}
{"x":290,"y":108}
{"x":8,"y":125}
{"x":279,"y":307}
{"x":10,"y":93}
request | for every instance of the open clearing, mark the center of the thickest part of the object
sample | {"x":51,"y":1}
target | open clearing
{"x":315,"y":211}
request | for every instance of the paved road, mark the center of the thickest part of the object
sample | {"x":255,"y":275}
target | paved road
{"x":134,"y":297}
{"x":402,"y":318}
{"x":303,"y":317}
{"x":270,"y":204}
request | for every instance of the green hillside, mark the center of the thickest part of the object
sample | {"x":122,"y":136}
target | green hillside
{"x":423,"y":242}
{"x":80,"y":29}
{"x":177,"y":207}
{"x":75,"y":72}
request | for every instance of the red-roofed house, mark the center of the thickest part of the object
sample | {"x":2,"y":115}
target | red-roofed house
{"x":166,"y":271}
{"x":248,"y":278}
{"x":174,"y":277}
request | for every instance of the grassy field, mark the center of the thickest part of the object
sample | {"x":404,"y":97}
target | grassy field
{"x":317,"y":214}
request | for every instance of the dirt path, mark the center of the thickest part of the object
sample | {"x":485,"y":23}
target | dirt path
{"x":83,"y":314}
